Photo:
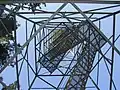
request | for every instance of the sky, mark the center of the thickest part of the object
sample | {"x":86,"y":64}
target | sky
{"x":106,"y":27}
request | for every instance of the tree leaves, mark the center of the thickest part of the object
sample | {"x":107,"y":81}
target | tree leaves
{"x":33,"y":6}
{"x":12,"y":86}
{"x":29,"y":6}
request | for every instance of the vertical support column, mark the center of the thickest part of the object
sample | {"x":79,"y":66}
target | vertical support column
{"x":112,"y":63}
{"x":27,"y":56}
{"x":98,"y":66}
{"x":15,"y":36}
{"x":36,"y":68}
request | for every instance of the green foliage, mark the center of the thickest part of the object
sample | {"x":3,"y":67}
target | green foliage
{"x":6,"y":39}
{"x":12,"y":86}
{"x":3,"y":40}
{"x":33,"y":6}
{"x":3,"y":54}
{"x":30,"y":6}
{"x":5,"y":49}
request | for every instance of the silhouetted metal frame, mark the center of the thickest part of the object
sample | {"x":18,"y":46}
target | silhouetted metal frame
{"x":66,"y":74}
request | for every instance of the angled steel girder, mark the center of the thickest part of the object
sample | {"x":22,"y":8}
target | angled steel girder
{"x":28,"y":41}
{"x":63,"y":1}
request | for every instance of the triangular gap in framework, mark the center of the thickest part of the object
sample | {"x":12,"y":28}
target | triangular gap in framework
{"x":68,"y":8}
{"x":90,"y":85}
{"x":25,"y":72}
{"x":43,"y":83}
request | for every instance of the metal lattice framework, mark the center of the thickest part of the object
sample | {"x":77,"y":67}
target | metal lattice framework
{"x":63,"y":50}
